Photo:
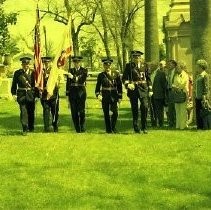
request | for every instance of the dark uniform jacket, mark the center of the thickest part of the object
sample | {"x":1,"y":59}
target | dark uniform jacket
{"x":139,"y":77}
{"x":23,"y":85}
{"x":111,"y":86}
{"x":75,"y":87}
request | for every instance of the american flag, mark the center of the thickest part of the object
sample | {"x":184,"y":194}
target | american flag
{"x":37,"y":54}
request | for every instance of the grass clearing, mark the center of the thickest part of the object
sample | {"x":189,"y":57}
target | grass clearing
{"x":165,"y":169}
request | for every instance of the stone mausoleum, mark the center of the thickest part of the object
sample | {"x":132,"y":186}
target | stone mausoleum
{"x":176,"y":25}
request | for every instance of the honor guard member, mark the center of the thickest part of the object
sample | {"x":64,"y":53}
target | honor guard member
{"x":23,"y":90}
{"x":137,"y":82}
{"x":76,"y":92}
{"x":109,"y":91}
{"x":50,"y":105}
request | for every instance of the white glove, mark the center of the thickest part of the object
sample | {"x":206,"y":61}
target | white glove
{"x":70,"y":75}
{"x":14,"y":97}
{"x":131,"y":86}
{"x":150,"y":93}
{"x":99,"y":97}
{"x":205,"y":103}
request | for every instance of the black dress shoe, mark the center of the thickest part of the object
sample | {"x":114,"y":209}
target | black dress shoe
{"x":145,"y":131}
{"x":137,"y":130}
{"x":114,"y":130}
{"x":83,"y":130}
{"x":24,"y":133}
{"x":109,"y":131}
{"x":31,"y":130}
{"x":55,"y":129}
{"x":46,"y":129}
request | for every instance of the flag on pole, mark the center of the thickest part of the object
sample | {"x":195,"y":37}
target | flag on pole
{"x":37,"y":54}
{"x":64,"y":51}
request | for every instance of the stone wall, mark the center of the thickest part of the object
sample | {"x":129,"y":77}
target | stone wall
{"x":177,"y":31}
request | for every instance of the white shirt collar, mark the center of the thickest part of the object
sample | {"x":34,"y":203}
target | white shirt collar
{"x":203,"y":73}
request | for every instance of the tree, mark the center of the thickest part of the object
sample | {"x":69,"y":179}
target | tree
{"x":127,"y":12}
{"x":118,"y":16}
{"x":200,"y":18}
{"x":104,"y":23}
{"x":7,"y":46}
{"x":88,"y":50}
{"x":151,"y":32}
{"x":201,"y":29}
{"x":80,"y":14}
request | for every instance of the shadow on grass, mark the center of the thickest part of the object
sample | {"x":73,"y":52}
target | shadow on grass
{"x":10,"y":124}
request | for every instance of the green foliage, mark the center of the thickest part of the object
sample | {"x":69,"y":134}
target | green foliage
{"x":162,"y":52}
{"x":5,"y":40}
{"x":88,"y":47}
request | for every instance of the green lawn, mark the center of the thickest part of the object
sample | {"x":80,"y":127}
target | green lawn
{"x":162,"y":170}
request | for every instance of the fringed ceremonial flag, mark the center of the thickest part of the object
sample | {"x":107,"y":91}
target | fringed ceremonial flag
{"x":65,"y":49}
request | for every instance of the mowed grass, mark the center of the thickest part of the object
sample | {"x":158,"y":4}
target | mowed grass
{"x":162,"y":170}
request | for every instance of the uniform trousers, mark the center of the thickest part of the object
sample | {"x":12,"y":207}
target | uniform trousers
{"x":27,"y":110}
{"x":77,"y":106}
{"x":110,"y":120}
{"x":134,"y":101}
{"x":158,"y":105}
{"x":50,"y":111}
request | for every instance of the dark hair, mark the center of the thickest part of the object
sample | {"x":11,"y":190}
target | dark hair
{"x":173,"y":61}
{"x":202,"y":64}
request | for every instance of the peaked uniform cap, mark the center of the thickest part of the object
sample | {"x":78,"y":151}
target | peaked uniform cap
{"x":136,"y":53}
{"x":46,"y":59}
{"x":25,"y":59}
{"x":77,"y":58}
{"x":107,"y":60}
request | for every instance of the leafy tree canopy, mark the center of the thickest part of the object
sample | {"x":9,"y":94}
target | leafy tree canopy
{"x":5,"y":21}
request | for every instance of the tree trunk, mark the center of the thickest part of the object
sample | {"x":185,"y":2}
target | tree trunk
{"x":151,"y":31}
{"x":131,"y":29}
{"x":200,"y":18}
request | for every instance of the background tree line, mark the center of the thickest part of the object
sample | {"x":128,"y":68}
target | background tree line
{"x":7,"y":43}
{"x":99,"y":27}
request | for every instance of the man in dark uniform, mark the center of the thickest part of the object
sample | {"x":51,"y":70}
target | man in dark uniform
{"x":137,"y":82}
{"x":50,"y":105}
{"x":76,"y":92}
{"x":23,"y":90}
{"x":109,"y":91}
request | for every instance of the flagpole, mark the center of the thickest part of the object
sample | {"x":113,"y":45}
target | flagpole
{"x":45,"y":35}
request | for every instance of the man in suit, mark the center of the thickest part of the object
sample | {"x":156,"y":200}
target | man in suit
{"x":171,"y":70}
{"x":50,"y":105}
{"x":159,"y":82}
{"x":137,"y":82}
{"x":109,"y":91}
{"x":76,"y":92}
{"x":23,"y":90}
